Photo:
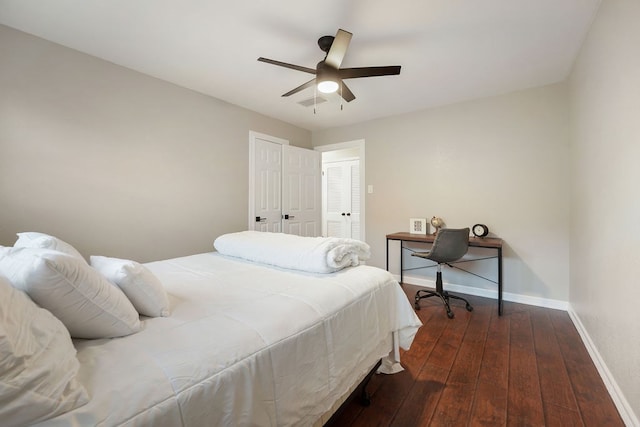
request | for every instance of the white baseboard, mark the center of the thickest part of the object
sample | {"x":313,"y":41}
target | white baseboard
{"x":488,"y":293}
{"x":624,"y":408}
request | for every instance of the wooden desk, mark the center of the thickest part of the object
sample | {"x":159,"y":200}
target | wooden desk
{"x":477,"y":242}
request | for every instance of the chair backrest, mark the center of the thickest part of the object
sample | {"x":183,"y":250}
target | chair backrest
{"x":449,"y":245}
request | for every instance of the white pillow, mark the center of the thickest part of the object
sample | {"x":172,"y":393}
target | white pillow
{"x":33,"y":239}
{"x":87,"y":304}
{"x":38,"y":364}
{"x":139,"y":284}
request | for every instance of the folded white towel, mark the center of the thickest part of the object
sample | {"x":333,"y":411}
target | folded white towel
{"x":312,"y":254}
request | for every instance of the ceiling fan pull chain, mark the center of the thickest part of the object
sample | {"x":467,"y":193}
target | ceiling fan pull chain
{"x":315,"y":94}
{"x":341,"y":97}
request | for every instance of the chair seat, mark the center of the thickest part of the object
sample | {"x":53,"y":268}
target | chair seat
{"x":421,"y":254}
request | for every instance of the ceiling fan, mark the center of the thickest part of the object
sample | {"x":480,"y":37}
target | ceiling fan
{"x":328,"y":74}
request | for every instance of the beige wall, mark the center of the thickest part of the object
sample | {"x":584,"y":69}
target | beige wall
{"x":116,"y":162}
{"x":605,"y":205}
{"x":501,"y":161}
{"x":122,"y":164}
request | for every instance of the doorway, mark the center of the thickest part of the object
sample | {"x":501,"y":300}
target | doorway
{"x":343,"y":204}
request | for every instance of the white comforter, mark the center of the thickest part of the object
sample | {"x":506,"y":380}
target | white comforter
{"x":245,"y":345}
{"x":310,"y":254}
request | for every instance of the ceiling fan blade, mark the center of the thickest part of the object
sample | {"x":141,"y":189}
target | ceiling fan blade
{"x":287,"y":65}
{"x":346,"y":93}
{"x":301,"y":87}
{"x":338,"y":48}
{"x":354,"y":73}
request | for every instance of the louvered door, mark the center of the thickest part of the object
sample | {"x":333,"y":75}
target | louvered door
{"x":341,"y":199}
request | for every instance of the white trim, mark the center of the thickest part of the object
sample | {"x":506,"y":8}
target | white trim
{"x":624,"y":408}
{"x":488,"y":293}
{"x":346,"y":159}
{"x":356,"y":143}
{"x":359,"y":144}
{"x":253,"y":135}
{"x":252,"y":166}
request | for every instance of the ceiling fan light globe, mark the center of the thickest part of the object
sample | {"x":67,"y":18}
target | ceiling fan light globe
{"x":327,"y":86}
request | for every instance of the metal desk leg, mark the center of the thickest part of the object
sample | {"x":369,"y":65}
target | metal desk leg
{"x":387,"y":254}
{"x":499,"y":281}
{"x":401,"y":263}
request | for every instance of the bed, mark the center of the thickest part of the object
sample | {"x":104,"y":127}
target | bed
{"x":245,"y":343}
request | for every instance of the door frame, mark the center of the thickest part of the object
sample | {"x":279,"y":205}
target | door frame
{"x":252,"y":164}
{"x":359,"y":144}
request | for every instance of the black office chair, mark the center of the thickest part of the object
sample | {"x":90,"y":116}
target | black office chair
{"x":449,"y":245}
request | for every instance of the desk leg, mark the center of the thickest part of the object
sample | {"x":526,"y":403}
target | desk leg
{"x":387,"y":254}
{"x":401,"y":263}
{"x":499,"y":281}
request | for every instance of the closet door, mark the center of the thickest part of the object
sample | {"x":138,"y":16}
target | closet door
{"x":341,"y":199}
{"x":284,"y":187}
{"x":301,"y":191}
{"x":267,"y":186}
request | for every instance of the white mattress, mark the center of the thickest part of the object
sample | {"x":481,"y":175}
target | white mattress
{"x":245,"y":345}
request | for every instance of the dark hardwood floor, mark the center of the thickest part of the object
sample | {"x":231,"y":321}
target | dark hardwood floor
{"x":527,"y":367}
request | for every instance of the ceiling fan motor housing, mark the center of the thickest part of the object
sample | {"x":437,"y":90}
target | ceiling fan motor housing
{"x":327,"y":77}
{"x":326,"y":72}
{"x":325,"y":43}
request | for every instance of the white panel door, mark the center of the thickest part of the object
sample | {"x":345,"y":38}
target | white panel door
{"x":341,"y":199}
{"x":284,"y":187}
{"x":267,"y":186}
{"x":301,"y":191}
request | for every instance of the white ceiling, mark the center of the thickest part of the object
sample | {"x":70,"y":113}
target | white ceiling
{"x":449,"y":50}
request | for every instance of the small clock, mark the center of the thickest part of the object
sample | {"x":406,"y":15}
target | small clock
{"x":480,"y":230}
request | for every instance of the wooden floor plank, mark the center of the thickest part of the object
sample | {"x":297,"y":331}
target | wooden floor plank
{"x":596,"y":406}
{"x":560,"y":416}
{"x":454,"y":407}
{"x":448,"y":344}
{"x":554,"y":380}
{"x":420,"y":404}
{"x":423,"y":343}
{"x":466,"y":368}
{"x":490,"y":401}
{"x":495,"y":361}
{"x":524,"y":396}
{"x":489,"y":405}
{"x":532,"y":370}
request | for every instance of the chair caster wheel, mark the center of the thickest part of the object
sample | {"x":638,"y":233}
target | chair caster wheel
{"x":469,"y":308}
{"x":450,"y":314}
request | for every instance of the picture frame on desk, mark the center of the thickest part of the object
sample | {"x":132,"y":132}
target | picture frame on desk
{"x":418,"y":226}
